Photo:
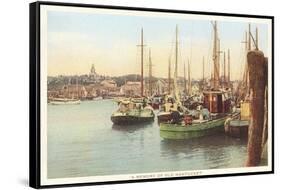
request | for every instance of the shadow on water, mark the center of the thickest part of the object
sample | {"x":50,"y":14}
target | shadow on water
{"x":219,"y":141}
{"x":216,"y":151}
{"x":131,"y":128}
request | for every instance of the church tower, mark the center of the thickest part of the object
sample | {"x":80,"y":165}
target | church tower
{"x":93,"y":71}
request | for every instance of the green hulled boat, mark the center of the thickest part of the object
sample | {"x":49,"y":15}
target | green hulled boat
{"x":193,"y":130}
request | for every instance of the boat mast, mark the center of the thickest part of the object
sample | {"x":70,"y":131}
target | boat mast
{"x":228,"y":61}
{"x":169,"y":76}
{"x":141,"y":62}
{"x":218,"y":63}
{"x":150,"y":74}
{"x":189,"y":81}
{"x":247,"y":69}
{"x":215,"y":57}
{"x":224,"y":71}
{"x":203,"y":67}
{"x":249,"y":38}
{"x":246,"y":49}
{"x":176,"y":53}
{"x":176,"y":67}
{"x":77,"y":87}
{"x":257,"y":44}
{"x":184,"y":76}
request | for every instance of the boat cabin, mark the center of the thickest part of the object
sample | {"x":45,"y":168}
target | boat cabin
{"x":217,"y":101}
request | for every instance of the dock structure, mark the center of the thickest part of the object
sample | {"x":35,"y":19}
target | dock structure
{"x":257,"y":79}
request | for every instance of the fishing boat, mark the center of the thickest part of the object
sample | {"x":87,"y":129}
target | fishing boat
{"x":216,"y":108}
{"x":195,"y":129}
{"x":210,"y":119}
{"x":134,"y":110}
{"x":131,"y":112}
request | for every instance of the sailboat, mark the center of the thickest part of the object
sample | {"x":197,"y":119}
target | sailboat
{"x":66,"y":100}
{"x":212,"y":114}
{"x":134,"y":110}
{"x":172,"y":109}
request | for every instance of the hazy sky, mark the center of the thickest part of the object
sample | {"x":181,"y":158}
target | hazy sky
{"x":78,"y":40}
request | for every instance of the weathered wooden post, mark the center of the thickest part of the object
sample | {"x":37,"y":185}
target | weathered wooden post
{"x":257,"y":80}
{"x":265,"y":125}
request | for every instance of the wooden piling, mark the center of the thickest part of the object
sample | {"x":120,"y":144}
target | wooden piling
{"x":257,"y":79}
{"x":265,"y":124}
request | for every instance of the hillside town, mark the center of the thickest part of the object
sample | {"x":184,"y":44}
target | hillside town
{"x":95,"y":86}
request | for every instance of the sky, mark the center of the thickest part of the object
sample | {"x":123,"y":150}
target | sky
{"x":76,"y":40}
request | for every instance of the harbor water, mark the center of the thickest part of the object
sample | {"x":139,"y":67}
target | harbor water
{"x":82,"y":141}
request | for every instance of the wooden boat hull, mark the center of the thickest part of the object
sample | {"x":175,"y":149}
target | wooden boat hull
{"x":128,"y":120}
{"x":178,"y":131}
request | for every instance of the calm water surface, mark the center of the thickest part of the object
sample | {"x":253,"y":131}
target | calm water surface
{"x":82,"y":141}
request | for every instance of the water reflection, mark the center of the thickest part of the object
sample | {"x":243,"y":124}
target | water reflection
{"x":88,"y":144}
{"x":131,"y":128}
{"x":215,"y":151}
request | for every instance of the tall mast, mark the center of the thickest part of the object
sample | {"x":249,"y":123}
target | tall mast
{"x":189,"y":81}
{"x":228,"y":61}
{"x":184,"y":74}
{"x":203,"y":77}
{"x":169,"y":76}
{"x":142,"y":62}
{"x":215,"y":57}
{"x":249,"y":49}
{"x":224,"y":71}
{"x":249,"y":38}
{"x":77,"y":87}
{"x":176,"y":67}
{"x":246,"y":50}
{"x":176,"y":53}
{"x":257,"y":44}
{"x":218,"y":63}
{"x":150,"y":74}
